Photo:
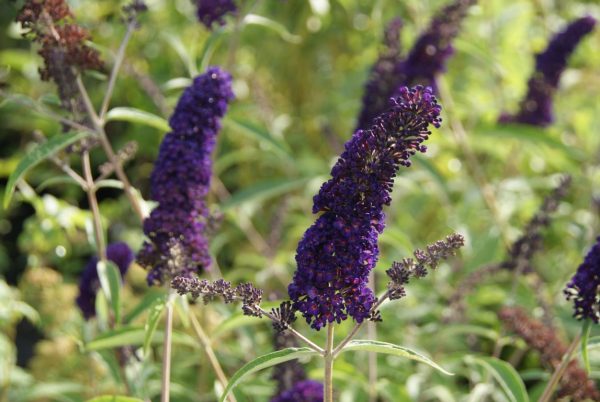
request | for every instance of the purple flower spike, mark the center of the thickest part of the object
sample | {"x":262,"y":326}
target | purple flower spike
{"x":583,"y":288}
{"x":121,"y":255}
{"x":303,"y":391}
{"x":211,"y":11}
{"x":337,"y":252}
{"x":433,"y":48}
{"x":536,"y":107}
{"x":384,"y":77}
{"x":180,"y":181}
{"x":427,"y":58}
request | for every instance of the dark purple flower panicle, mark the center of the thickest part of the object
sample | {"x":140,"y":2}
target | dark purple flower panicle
{"x":536,"y":107}
{"x":337,"y":252}
{"x":583,"y":288}
{"x":211,"y":11}
{"x":426,"y":59}
{"x":433,"y":48}
{"x":303,"y":391}
{"x":384,"y":77}
{"x":180,"y":180}
{"x":121,"y":255}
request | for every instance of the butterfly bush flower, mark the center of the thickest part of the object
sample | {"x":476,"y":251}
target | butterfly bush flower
{"x":427,"y":58}
{"x":180,"y":181}
{"x":337,"y":252}
{"x":536,"y":107}
{"x":305,"y":391}
{"x":583,"y":288}
{"x":214,"y":11}
{"x":121,"y":255}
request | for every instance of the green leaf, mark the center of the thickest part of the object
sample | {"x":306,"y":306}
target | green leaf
{"x":585,"y":337}
{"x":253,"y":19}
{"x":263,"y":190}
{"x":37,"y":155}
{"x":391,"y":349}
{"x":64,"y":179}
{"x":265,"y":361}
{"x":152,"y":322}
{"x":148,"y":300}
{"x":505,"y":374}
{"x":134,"y":115}
{"x":261,"y":135}
{"x":110,"y":281}
{"x":135,"y":335}
{"x":114,"y":398}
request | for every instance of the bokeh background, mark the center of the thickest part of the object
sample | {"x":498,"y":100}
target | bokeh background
{"x":299,"y":72}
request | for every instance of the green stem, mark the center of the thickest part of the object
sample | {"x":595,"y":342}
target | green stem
{"x":560,"y":370}
{"x":166,"y":363}
{"x":328,"y":391}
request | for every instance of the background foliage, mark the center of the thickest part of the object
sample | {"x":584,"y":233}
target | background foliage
{"x":299,"y":76}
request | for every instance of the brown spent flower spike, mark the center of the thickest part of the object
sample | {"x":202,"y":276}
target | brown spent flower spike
{"x":542,"y":338}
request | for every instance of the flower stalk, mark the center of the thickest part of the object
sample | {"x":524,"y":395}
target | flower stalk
{"x":329,"y":357}
{"x":560,"y":370}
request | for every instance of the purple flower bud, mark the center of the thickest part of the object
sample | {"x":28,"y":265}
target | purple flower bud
{"x":304,"y":391}
{"x":536,"y":107}
{"x":121,"y":255}
{"x":584,"y":286}
{"x":211,"y":11}
{"x":337,"y":252}
{"x":180,"y":180}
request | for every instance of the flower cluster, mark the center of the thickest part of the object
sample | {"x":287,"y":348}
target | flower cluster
{"x":245,"y":292}
{"x":401,"y":272}
{"x":305,"y":391}
{"x":523,"y":250}
{"x":584,"y":285}
{"x":427,"y":58}
{"x":181,"y":177}
{"x":384,"y":77}
{"x":214,"y":11}
{"x":536,"y":107}
{"x":50,"y":23}
{"x":121,"y":255}
{"x":575,"y":383}
{"x":337,"y":252}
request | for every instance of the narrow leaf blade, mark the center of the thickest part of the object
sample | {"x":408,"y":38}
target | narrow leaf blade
{"x":135,"y":335}
{"x":37,"y":155}
{"x":505,"y":374}
{"x":134,"y":115}
{"x":152,"y":322}
{"x":110,"y":281}
{"x":391,"y":349}
{"x":265,"y":361}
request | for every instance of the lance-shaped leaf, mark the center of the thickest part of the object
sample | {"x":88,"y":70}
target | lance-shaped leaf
{"x":38,"y":154}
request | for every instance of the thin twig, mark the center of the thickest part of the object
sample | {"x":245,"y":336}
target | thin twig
{"x":115,"y":70}
{"x":349,"y":337}
{"x":93,"y":201}
{"x":110,"y":153}
{"x":310,"y":343}
{"x":205,"y":341}
{"x":166,"y":363}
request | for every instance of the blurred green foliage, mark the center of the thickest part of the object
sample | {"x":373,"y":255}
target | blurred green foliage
{"x":299,"y":68}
